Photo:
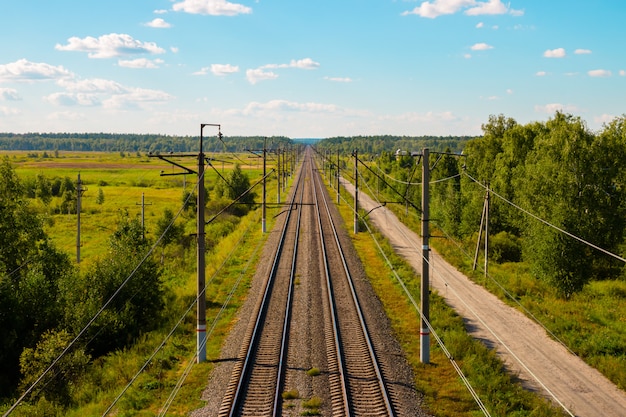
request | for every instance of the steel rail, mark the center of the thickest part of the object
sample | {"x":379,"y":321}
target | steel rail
{"x":254,"y":340}
{"x":374,"y":361}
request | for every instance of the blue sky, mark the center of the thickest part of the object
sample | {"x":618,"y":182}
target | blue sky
{"x":307,"y":68}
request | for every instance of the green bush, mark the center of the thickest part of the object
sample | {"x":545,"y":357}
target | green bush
{"x":505,"y":247}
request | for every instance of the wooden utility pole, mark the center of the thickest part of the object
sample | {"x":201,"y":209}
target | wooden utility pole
{"x":79,"y":197}
{"x":143,"y":215}
{"x":484,"y":220}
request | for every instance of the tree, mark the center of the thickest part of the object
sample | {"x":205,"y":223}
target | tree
{"x":30,"y":272}
{"x":571,"y":179}
{"x":100,"y":197}
{"x":134,"y":279}
{"x":238,"y":184}
{"x":168,"y":230}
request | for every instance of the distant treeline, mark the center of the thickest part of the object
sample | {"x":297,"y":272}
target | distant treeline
{"x":110,"y":142}
{"x":386,"y":143}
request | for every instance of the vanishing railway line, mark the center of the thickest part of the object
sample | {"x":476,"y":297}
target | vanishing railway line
{"x":354,"y":381}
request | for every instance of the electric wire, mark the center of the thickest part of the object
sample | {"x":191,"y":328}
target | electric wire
{"x":596,"y":247}
{"x":183,"y":316}
{"x":447,"y":284}
{"x":93,"y":319}
{"x":417,"y":308}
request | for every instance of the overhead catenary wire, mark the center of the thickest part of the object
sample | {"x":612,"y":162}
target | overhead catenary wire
{"x":183,"y":316}
{"x":93,"y":319}
{"x":439,"y":341}
{"x":534,"y":216}
{"x":447,"y":284}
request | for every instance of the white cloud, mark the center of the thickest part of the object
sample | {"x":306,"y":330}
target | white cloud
{"x":203,"y":71}
{"x":509,"y":91}
{"x":137,"y":98}
{"x":256,"y":75}
{"x":285,"y":105}
{"x":9,"y":94}
{"x":554,"y":53}
{"x":481,"y":47}
{"x":158,"y":23}
{"x":94,"y":85}
{"x":211,"y":7}
{"x":24,"y":70}
{"x":140,"y":63}
{"x":467,"y":56}
{"x":599,"y":73}
{"x":105,"y":93}
{"x":339,"y":79}
{"x":541,"y":73}
{"x":622,"y":73}
{"x":436,"y":8}
{"x":73,"y":99}
{"x":8,"y":111}
{"x":66,"y":116}
{"x":604,"y":119}
{"x":582,"y":51}
{"x":160,"y":11}
{"x":490,"y":7}
{"x":480,"y":25}
{"x":306,"y":63}
{"x":554,"y":107}
{"x":174,"y":49}
{"x":224,"y":69}
{"x":415,"y":117}
{"x":109,"y":46}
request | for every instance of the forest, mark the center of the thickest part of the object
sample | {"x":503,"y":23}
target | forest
{"x":145,"y":143}
{"x":559,"y":171}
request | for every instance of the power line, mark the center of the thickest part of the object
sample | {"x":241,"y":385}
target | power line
{"x":447,"y":284}
{"x":606,"y":252}
{"x":439,"y":341}
{"x":93,"y":319}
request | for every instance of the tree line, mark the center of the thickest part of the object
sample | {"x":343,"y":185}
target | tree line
{"x":559,"y":170}
{"x":110,"y":142}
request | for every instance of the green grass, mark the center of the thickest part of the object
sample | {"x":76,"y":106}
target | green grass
{"x":122,"y":188}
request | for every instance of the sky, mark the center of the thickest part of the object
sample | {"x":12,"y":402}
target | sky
{"x":307,"y":69}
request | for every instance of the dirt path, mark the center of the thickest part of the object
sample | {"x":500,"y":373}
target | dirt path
{"x":542,"y":364}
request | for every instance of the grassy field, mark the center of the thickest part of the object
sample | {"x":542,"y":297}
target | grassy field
{"x":230,"y":267}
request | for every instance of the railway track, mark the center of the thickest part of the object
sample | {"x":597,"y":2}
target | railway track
{"x":354,"y":381}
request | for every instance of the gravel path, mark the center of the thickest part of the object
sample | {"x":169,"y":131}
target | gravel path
{"x":542,"y":364}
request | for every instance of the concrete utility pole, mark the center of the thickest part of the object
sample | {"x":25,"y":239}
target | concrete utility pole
{"x":356,"y":191}
{"x":143,"y":215}
{"x":278,"y":180}
{"x":338,"y":175}
{"x":263,"y":208}
{"x":424,"y":289}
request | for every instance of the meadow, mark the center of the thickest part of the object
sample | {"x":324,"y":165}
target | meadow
{"x":169,"y":383}
{"x":115,"y":378}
